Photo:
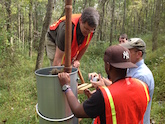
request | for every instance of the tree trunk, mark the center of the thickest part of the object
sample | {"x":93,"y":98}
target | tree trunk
{"x":156,"y":25}
{"x":35,"y":20}
{"x":47,"y":21}
{"x":115,"y":29}
{"x":8,"y":20}
{"x":152,"y":17}
{"x":134,"y":23}
{"x":23,"y":31}
{"x":18,"y":23}
{"x":112,"y":21}
{"x":30,"y":28}
{"x":119,"y":22}
{"x":124,"y":14}
{"x":36,"y":32}
{"x":85,"y":3}
{"x":146,"y":17}
{"x":101,"y":21}
{"x":74,"y":1}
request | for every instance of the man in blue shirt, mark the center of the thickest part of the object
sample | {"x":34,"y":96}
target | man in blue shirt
{"x":137,"y":49}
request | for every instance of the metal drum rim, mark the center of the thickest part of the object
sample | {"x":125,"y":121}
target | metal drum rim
{"x":53,"y":120}
{"x":42,"y":75}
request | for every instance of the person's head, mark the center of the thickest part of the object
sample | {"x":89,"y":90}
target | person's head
{"x":89,"y":20}
{"x":137,"y":48}
{"x":117,"y":60}
{"x":123,"y":38}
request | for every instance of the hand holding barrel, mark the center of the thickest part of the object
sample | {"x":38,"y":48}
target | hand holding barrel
{"x":64,"y":78}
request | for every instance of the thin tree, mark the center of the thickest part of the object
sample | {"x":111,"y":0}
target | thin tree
{"x":124,"y":15}
{"x":156,"y":25}
{"x":85,"y":4}
{"x":74,"y":2}
{"x":18,"y":22}
{"x":46,"y":24}
{"x":30,"y":28}
{"x":23,"y":30}
{"x":112,"y":21}
{"x":101,"y":21}
{"x":63,"y":13}
{"x":8,"y":20}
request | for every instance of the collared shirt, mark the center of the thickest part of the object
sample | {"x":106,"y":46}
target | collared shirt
{"x":143,"y":73}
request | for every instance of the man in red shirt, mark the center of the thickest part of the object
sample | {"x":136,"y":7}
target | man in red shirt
{"x":122,"y":102}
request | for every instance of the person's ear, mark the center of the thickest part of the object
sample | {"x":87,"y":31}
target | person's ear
{"x":108,"y":66}
{"x":140,"y":54}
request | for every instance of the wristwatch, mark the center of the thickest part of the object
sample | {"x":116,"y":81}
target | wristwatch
{"x":65,"y":87}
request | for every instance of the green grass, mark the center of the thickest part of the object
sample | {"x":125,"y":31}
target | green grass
{"x":18,"y":93}
{"x":17,"y":90}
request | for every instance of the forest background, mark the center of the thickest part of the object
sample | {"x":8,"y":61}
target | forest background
{"x":23,"y":25}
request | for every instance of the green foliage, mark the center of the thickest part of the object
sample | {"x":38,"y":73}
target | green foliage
{"x":18,"y":93}
{"x":17,"y":89}
{"x":18,"y":83}
{"x":158,"y":112}
{"x":155,"y":61}
{"x":93,"y":58}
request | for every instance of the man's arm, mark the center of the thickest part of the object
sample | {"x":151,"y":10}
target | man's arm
{"x":58,"y":57}
{"x":60,"y":45}
{"x":75,"y":106}
{"x":80,"y":54}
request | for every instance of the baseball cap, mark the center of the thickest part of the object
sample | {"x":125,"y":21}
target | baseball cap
{"x":118,"y":57}
{"x":137,"y":43}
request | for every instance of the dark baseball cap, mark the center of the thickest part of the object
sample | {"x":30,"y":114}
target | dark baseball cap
{"x":137,"y":43}
{"x":118,"y":57}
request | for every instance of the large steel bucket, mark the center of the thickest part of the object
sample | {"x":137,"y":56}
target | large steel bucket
{"x":52,"y":106}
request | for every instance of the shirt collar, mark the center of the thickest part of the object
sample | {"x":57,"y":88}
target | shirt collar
{"x":140,"y":62}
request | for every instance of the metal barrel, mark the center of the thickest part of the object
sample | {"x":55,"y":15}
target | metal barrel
{"x":52,"y":106}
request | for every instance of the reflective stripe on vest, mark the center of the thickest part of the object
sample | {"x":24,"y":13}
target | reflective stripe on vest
{"x":56,"y":24}
{"x":110,"y":112}
{"x":107,"y":96}
{"x":88,"y":39}
{"x":146,"y":91}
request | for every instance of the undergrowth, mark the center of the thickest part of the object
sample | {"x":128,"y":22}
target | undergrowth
{"x":18,"y":93}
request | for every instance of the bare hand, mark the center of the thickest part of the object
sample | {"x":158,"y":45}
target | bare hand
{"x":92,"y":75}
{"x":88,"y":93}
{"x":76,"y":64}
{"x":98,"y":83}
{"x":64,"y":78}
